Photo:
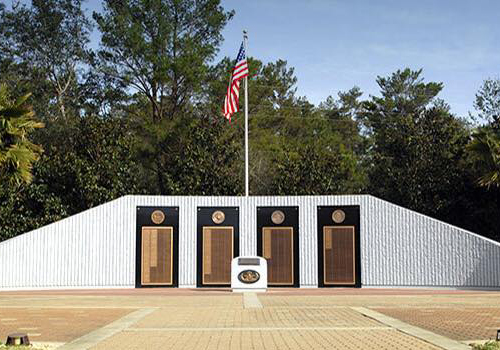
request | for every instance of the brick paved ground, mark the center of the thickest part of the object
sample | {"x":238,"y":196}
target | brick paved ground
{"x":264,"y":340}
{"x":460,"y":324}
{"x":265,"y":317}
{"x":61,"y":325}
{"x":217,"y":319}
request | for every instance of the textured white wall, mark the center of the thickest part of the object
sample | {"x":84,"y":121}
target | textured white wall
{"x":96,"y":248}
{"x":411,"y":249}
{"x":93,"y":248}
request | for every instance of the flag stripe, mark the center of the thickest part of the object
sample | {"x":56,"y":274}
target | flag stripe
{"x":240,"y":71}
{"x":241,"y":75}
{"x":240,"y":64}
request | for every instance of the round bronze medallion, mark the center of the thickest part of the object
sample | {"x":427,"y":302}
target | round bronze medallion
{"x":338,"y":216}
{"x":157,"y":217}
{"x":218,"y":217}
{"x":277,"y":217}
{"x":248,"y":276}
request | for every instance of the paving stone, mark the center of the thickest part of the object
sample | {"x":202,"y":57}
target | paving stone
{"x":289,"y":319}
{"x":47,"y":330}
{"x":110,"y":301}
{"x":282,"y":317}
{"x":265,"y":340}
{"x":455,"y":323}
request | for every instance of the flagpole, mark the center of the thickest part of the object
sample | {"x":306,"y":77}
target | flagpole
{"x":245,"y":43}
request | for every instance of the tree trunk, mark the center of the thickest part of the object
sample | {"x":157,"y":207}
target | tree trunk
{"x":159,"y":175}
{"x":60,"y":102}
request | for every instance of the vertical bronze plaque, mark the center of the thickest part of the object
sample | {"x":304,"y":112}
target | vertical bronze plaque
{"x":146,"y":254}
{"x":278,"y":250}
{"x":217,"y":254}
{"x":157,"y":255}
{"x":338,"y":255}
{"x":328,"y":241}
{"x":154,"y":248}
{"x":207,"y":251}
{"x":266,"y":236}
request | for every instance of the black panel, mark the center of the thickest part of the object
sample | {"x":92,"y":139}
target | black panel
{"x":144,"y":219}
{"x":351,"y":219}
{"x":291,"y":220}
{"x":205,"y":219}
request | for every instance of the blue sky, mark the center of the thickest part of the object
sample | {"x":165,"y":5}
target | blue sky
{"x":335,"y":45}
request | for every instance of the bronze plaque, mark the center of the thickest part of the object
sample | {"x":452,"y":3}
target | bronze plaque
{"x":217,"y":254}
{"x":339,"y":255}
{"x":249,"y":276}
{"x":218,"y":217}
{"x":158,"y":217}
{"x":157,"y":255}
{"x":278,"y":217}
{"x":278,"y":251}
{"x":338,"y":216}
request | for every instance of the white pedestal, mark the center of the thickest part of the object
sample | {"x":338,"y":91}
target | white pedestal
{"x":249,"y":274}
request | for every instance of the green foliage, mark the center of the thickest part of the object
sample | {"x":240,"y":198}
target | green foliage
{"x":296,"y":148}
{"x":30,"y":207}
{"x":416,"y":145}
{"x":160,"y":48}
{"x":491,"y":345}
{"x":44,"y":46}
{"x":195,"y":155}
{"x":487,"y":102}
{"x":207,"y":161}
{"x":143,"y":115}
{"x":17,"y":152}
{"x":485,"y":146}
{"x":92,"y":166}
{"x":316,"y":170}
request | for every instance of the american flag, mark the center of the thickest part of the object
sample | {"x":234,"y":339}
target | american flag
{"x":231,"y":102}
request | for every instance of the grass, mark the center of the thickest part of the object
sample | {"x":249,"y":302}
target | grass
{"x":491,"y":345}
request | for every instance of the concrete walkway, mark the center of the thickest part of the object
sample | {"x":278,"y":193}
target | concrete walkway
{"x":219,"y":319}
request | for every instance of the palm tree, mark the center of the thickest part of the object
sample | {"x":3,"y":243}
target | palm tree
{"x":17,"y":152}
{"x":485,"y":145}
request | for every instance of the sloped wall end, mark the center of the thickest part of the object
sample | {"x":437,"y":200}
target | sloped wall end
{"x":405,"y":248}
{"x":92,"y":248}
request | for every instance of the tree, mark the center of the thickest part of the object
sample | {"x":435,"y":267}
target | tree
{"x":30,"y":207}
{"x":488,"y":102}
{"x":416,"y":144}
{"x":93,"y":166}
{"x":319,"y":149}
{"x":17,"y":152}
{"x":316,"y":169}
{"x":485,"y":143}
{"x":46,"y":42}
{"x":343,"y":113}
{"x":293,"y":144}
{"x":206,"y":159}
{"x":160,"y":51}
{"x":485,"y":146}
{"x":160,"y":48}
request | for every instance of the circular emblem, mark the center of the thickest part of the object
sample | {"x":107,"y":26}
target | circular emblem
{"x":338,"y":216}
{"x":248,"y":276}
{"x":218,"y":217}
{"x":157,"y":217}
{"x":277,"y":217}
